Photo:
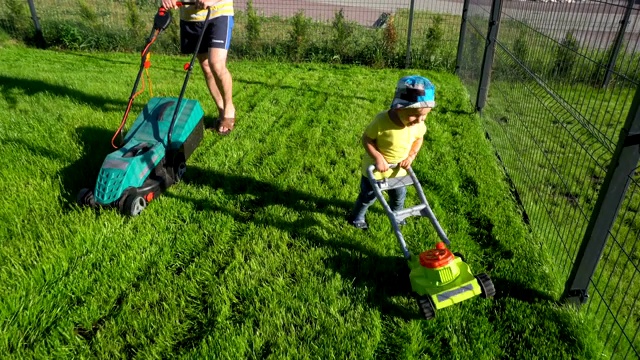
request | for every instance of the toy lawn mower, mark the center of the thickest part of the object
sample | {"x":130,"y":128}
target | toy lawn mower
{"x":439,"y":277}
{"x":155,"y":150}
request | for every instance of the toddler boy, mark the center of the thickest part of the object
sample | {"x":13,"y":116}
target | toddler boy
{"x":394,"y":137}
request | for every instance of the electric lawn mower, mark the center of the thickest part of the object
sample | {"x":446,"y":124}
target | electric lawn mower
{"x":156,"y":147}
{"x":439,"y":277}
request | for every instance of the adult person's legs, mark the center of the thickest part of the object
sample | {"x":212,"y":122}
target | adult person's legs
{"x":217,"y":76}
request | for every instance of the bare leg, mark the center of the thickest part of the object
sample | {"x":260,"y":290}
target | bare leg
{"x":222,"y":76}
{"x":211,"y":83}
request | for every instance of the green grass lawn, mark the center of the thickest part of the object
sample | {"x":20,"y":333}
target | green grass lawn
{"x":250,"y":257}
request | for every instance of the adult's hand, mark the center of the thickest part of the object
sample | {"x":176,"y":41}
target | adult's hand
{"x":169,"y":4}
{"x":203,"y":4}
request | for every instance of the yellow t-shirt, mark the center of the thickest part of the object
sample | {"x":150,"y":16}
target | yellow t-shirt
{"x":191,"y":13}
{"x":393,"y":142}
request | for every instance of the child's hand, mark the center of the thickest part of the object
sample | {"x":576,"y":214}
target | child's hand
{"x":382,"y":165}
{"x":406,"y":163}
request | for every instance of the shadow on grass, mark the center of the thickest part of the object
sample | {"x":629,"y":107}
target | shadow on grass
{"x":541,"y":312}
{"x":515,"y":290}
{"x":266,"y":193}
{"x":83,"y":173}
{"x":300,"y":89}
{"x":457,"y":112}
{"x":89,"y":333}
{"x":383,"y":277}
{"x":133,"y":62}
{"x":31,"y":87}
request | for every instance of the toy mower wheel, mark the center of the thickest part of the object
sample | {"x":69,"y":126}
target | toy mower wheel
{"x":426,"y":306}
{"x":457,"y":254}
{"x":134,"y":204}
{"x":488,"y":290}
{"x":85,"y":197}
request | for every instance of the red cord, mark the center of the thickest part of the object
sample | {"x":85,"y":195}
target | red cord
{"x":126,"y":113}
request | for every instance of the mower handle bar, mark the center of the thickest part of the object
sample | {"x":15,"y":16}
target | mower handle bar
{"x":181,"y":3}
{"x":422,"y":209}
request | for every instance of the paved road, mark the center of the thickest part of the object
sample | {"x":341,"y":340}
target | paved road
{"x":593,"y":23}
{"x":365,"y":12}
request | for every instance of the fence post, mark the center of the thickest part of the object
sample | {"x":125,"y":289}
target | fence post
{"x":463,"y":30}
{"x":618,"y":43}
{"x":409,"y":34}
{"x":36,"y":23}
{"x":489,"y":51}
{"x":610,"y":197}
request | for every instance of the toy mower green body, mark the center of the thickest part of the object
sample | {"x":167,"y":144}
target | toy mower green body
{"x":439,"y":277}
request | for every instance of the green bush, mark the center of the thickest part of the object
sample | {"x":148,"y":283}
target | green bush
{"x":434,"y":35}
{"x":298,"y":36}
{"x":87,"y":13}
{"x":253,"y":29}
{"x":81,"y":36}
{"x":134,"y":22}
{"x":566,"y":56}
{"x":434,"y":45}
{"x":342,"y":31}
{"x":521,"y":48}
{"x":387,"y":57}
{"x":17,"y":20}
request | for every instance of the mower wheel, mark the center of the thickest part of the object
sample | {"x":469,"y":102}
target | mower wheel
{"x":85,"y":197}
{"x":179,"y":167}
{"x":134,"y":204}
{"x":426,"y":306}
{"x":488,"y":290}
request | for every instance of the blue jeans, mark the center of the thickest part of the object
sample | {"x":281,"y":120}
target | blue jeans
{"x":367,"y":197}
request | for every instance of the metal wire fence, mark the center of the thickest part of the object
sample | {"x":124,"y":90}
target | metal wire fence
{"x":562,"y":80}
{"x":616,"y":285}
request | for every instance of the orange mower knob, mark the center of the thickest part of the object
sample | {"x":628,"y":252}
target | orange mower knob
{"x":436,"y":258}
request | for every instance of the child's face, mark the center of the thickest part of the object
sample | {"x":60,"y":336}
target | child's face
{"x":410,"y":117}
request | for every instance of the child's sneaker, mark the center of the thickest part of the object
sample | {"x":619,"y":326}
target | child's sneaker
{"x":359,"y":224}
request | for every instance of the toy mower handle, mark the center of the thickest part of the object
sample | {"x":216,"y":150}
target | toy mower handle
{"x":420,"y":210}
{"x":373,"y":167}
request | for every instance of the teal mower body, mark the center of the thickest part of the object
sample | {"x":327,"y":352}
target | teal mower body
{"x":145,"y":166}
{"x":155,"y":149}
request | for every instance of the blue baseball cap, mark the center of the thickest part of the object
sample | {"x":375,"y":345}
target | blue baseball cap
{"x":414,"y":92}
